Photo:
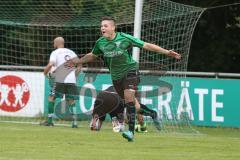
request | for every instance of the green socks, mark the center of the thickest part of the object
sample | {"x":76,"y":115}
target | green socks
{"x":50,"y":112}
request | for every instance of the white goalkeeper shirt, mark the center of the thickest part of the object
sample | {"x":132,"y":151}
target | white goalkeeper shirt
{"x":59,"y":57}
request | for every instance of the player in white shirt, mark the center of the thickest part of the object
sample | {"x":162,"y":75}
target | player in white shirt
{"x":64,"y":80}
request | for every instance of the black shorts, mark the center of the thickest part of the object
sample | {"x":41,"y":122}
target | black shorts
{"x":70,"y":90}
{"x":129,"y":81}
{"x":108,"y":103}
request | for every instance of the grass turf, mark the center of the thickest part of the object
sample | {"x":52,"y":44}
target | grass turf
{"x":33,"y":142}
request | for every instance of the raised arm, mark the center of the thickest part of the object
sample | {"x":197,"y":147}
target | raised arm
{"x":156,"y":48}
{"x":85,"y":59}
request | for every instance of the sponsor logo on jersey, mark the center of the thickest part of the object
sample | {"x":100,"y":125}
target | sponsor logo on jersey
{"x":114,"y":49}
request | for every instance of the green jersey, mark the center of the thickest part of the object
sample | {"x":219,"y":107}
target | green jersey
{"x":117,"y":53}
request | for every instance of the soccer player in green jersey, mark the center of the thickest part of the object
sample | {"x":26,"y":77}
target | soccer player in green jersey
{"x":115,"y":49}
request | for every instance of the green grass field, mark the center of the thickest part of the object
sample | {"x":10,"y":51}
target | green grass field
{"x":33,"y":142}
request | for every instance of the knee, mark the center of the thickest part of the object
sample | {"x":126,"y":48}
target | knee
{"x":51,"y":98}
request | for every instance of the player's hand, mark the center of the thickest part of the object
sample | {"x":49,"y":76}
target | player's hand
{"x":50,"y":75}
{"x":174,"y":54}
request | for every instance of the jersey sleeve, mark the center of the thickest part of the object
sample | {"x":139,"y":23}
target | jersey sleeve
{"x":135,"y":41}
{"x":53,"y":57}
{"x":96,"y":49}
{"x":73,"y":55}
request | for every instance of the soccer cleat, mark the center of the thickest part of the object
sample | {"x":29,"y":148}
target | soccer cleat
{"x":46,"y":123}
{"x":96,"y":123}
{"x":115,"y":124}
{"x":128,"y":135}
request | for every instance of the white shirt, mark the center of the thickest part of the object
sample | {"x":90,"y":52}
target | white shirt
{"x":63,"y":74}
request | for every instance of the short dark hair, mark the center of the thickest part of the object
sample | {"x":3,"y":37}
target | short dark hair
{"x":109,"y":18}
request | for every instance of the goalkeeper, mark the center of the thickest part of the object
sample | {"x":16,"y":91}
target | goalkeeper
{"x":115,"y":47}
{"x":64,"y":81}
{"x":108,"y":101}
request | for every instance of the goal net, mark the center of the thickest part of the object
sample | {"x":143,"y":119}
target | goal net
{"x":27,"y":30}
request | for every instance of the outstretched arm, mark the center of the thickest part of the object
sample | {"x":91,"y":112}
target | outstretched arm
{"x":155,"y":48}
{"x":85,"y":59}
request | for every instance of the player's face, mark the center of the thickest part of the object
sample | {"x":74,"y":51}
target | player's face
{"x":108,"y":29}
